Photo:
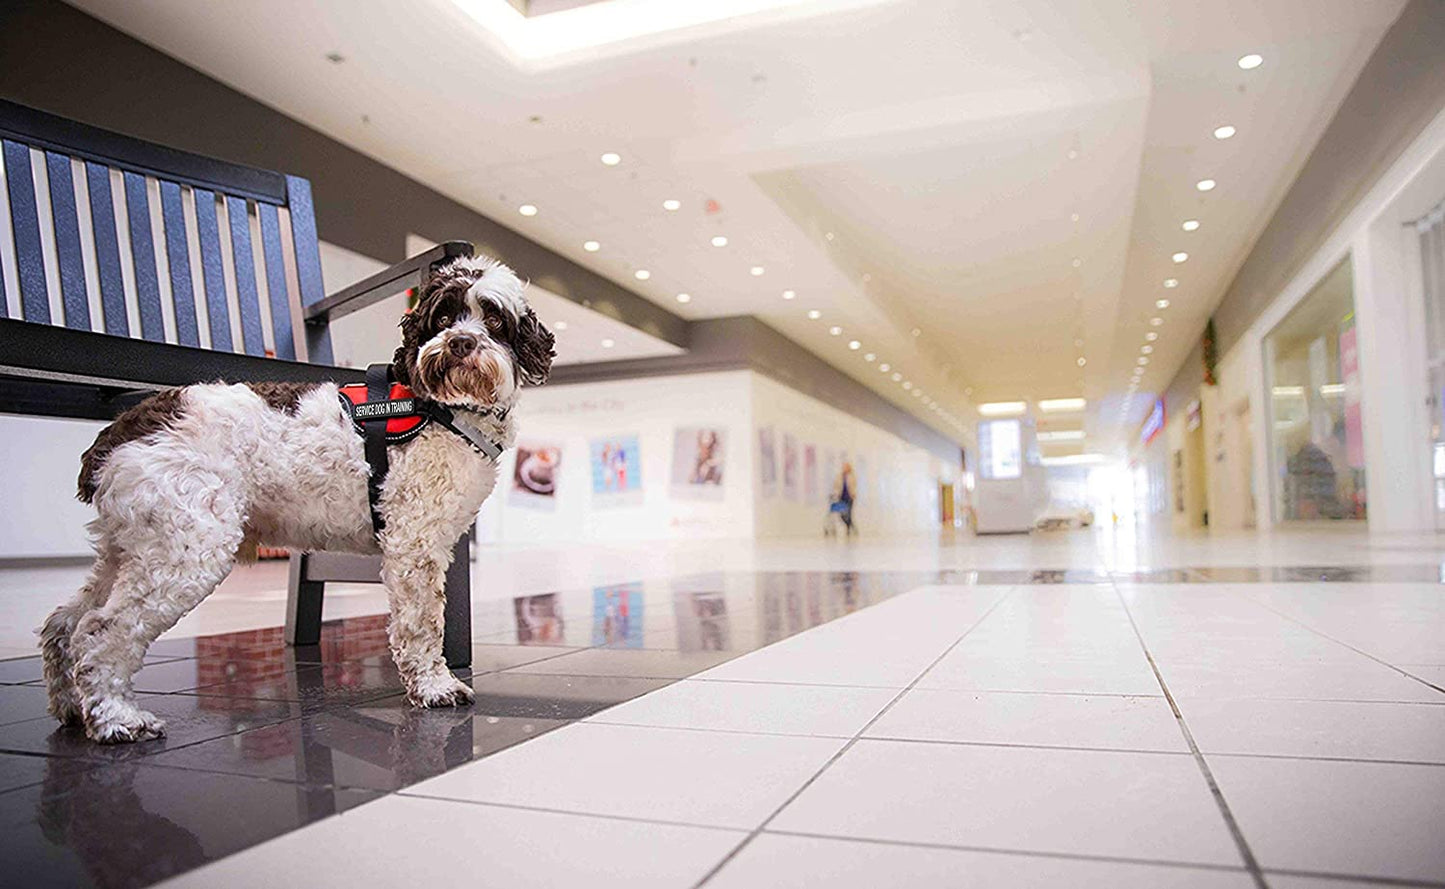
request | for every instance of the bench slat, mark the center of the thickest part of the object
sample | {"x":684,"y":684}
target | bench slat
{"x":212,"y":274}
{"x":275,"y":259}
{"x":107,"y":250}
{"x":308,"y":265}
{"x":25,"y":224}
{"x":245,"y":262}
{"x":178,"y":255}
{"x":143,"y":258}
{"x":67,"y":241}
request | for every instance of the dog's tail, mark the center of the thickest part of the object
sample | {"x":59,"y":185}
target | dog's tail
{"x":151,"y":415}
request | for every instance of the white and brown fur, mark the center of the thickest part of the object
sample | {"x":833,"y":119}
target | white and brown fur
{"x":194,"y":478}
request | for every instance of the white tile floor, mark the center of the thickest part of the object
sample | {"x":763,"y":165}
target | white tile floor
{"x":1113,"y":734}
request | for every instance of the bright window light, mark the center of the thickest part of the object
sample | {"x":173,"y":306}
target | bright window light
{"x":1073,"y":460}
{"x":1062,"y":435}
{"x":1060,"y":405}
{"x":594,"y":26}
{"x":1002,"y":408}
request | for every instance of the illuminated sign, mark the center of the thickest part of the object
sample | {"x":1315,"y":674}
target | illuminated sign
{"x":1154,"y":423}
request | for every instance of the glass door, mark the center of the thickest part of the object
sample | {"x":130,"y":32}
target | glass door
{"x":1430,"y":229}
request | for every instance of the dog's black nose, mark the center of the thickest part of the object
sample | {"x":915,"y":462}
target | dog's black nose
{"x":461,"y":345}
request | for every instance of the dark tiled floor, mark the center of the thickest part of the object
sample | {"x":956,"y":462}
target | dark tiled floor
{"x":263,"y":738}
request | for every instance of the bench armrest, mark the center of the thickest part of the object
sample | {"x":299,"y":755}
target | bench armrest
{"x":383,"y":284}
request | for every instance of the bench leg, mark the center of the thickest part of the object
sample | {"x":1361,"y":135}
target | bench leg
{"x":457,"y":632}
{"x":303,"y":604}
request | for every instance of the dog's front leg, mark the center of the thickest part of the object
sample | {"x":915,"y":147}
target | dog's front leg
{"x":425,"y":515}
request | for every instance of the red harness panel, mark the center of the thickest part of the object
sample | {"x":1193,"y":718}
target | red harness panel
{"x":356,"y":393}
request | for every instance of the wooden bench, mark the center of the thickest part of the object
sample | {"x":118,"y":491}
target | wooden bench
{"x":139,"y":267}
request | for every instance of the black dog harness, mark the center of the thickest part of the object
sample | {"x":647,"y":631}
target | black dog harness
{"x":387,"y":413}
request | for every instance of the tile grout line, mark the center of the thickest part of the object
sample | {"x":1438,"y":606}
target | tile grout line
{"x":1250,"y":862}
{"x":1322,"y":634}
{"x":753,"y":834}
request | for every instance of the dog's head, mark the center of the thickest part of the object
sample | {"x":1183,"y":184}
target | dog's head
{"x":472,"y":340}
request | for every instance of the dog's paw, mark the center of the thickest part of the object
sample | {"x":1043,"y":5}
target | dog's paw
{"x":124,"y":724}
{"x":442,"y":690}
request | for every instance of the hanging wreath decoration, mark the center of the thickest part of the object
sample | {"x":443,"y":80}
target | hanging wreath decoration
{"x":1211,"y":354}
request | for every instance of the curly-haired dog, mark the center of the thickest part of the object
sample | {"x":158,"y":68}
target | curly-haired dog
{"x":193,"y":477}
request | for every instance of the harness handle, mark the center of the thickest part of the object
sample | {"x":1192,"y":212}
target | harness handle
{"x":378,"y":388}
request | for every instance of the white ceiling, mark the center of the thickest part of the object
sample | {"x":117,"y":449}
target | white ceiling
{"x":932,"y":139}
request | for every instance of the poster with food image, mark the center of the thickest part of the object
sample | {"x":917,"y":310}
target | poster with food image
{"x":791,"y":469}
{"x":699,"y":458}
{"x":535,"y":474}
{"x":616,"y":470}
{"x":767,"y":462}
{"x":539,"y":619}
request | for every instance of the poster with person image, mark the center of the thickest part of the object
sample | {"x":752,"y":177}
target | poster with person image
{"x":616,"y":470}
{"x":767,"y":462}
{"x":617,"y":615}
{"x":699,"y":458}
{"x":791,"y":469}
{"x":810,"y":473}
{"x":534,"y":475}
{"x":539,"y":619}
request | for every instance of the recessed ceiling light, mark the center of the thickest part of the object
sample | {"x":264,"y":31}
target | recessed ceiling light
{"x":611,"y":158}
{"x":1180,"y":257}
{"x":671,"y":204}
{"x":1073,"y":217}
{"x":1062,"y":435}
{"x":870,"y":357}
{"x":788,"y":294}
{"x":828,"y":235}
{"x":867,"y":277}
{"x":1190,"y":225}
{"x":884,"y":367}
{"x":1082,"y":361}
{"x":684,"y":297}
{"x":1171,"y":283}
{"x":756,"y":270}
{"x":1078,"y":344}
{"x":642,"y":274}
{"x":1161,"y":303}
{"x":814,"y":314}
{"x":1156,"y":321}
{"x":591,"y":246}
{"x":1143,"y":360}
{"x":1057,"y":405}
{"x":1151,"y":336}
{"x":917,"y":393}
{"x":897,"y":377}
{"x":1002,"y":408}
{"x":1223,"y":132}
{"x":835,"y":330}
{"x":527,"y":210}
{"x":907,"y":384}
{"x":560,"y":325}
{"x":1205,"y":184}
{"x":1251,"y":61}
{"x":607,"y":344}
{"x":854,"y":345}
{"x":916,"y":332}
{"x":1078,"y":262}
{"x":1147,"y":350}
{"x":719,"y":241}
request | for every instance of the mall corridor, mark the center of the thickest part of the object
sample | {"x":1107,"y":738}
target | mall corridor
{"x":722,"y":443}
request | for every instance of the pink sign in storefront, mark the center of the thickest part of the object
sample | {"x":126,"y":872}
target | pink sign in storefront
{"x":1350,"y":371}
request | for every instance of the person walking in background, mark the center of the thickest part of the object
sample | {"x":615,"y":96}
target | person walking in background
{"x":845,"y":491}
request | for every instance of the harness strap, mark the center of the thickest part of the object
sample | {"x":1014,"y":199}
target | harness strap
{"x":378,"y":388}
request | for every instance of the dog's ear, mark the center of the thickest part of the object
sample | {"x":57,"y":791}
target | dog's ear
{"x":403,"y":362}
{"x":532,"y":345}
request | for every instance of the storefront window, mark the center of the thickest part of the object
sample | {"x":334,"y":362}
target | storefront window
{"x":1317,"y":453}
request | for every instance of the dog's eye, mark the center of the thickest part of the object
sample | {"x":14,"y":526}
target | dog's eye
{"x":493,"y":322}
{"x":444,"y":321}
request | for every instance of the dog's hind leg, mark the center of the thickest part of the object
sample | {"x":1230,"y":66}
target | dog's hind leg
{"x":166,"y":570}
{"x":56,"y":632}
